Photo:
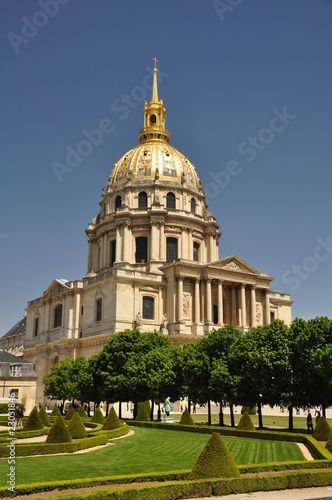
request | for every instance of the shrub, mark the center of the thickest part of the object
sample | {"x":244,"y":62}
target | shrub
{"x":76,"y":427}
{"x":215,"y":460}
{"x":55,"y":412}
{"x":328,"y":445}
{"x":251,"y":410}
{"x":98,"y":417}
{"x":142,"y":415}
{"x":245,"y":423}
{"x":112,"y":421}
{"x":33,"y":423}
{"x":58,"y":432}
{"x":146,"y":406}
{"x":82,"y":413}
{"x":43,"y":417}
{"x":186,"y":419}
{"x":4,"y":408}
{"x":322,"y":431}
{"x":69,"y":413}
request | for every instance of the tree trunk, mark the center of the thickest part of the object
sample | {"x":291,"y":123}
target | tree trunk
{"x":232,"y":414}
{"x":324,"y":411}
{"x":120,"y":410}
{"x":135,"y":410}
{"x":290,"y":418}
{"x":152,"y":410}
{"x":107,"y":405}
{"x":189,"y":405}
{"x":221,"y":415}
{"x":209,"y":412}
{"x":159,"y":412}
{"x":260,"y":418}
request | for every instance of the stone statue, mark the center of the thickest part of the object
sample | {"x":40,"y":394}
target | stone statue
{"x":164,"y":322}
{"x":167,"y":406}
{"x":138,"y":319}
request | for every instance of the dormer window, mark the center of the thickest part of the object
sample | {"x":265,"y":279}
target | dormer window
{"x":15,"y":371}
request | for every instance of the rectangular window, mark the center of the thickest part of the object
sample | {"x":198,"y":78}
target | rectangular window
{"x":148,"y":307}
{"x":141,"y":250}
{"x":15,"y":370}
{"x":272,"y":316}
{"x":35,"y":330}
{"x":14,"y":393}
{"x":171,"y":249}
{"x":99,"y":309}
{"x":195,"y":251}
{"x":113,"y":252}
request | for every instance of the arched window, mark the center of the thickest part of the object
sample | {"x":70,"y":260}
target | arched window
{"x":148,"y":308}
{"x":99,"y":307}
{"x":195,"y":251}
{"x":57,"y":316}
{"x":153,"y":121}
{"x":170,"y":200}
{"x":171,"y":249}
{"x":142,"y":200}
{"x":117,"y":202}
{"x":36,"y":327}
{"x":112,"y":252}
{"x":56,"y":360}
{"x":193,"y":206}
{"x":141,"y":250}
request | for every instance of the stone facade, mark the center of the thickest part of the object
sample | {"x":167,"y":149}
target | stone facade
{"x":153,"y":263}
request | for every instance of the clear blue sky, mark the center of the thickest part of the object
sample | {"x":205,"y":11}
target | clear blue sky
{"x":247,"y":91}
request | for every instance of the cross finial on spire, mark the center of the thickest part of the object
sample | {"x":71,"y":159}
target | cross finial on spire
{"x":155,"y":62}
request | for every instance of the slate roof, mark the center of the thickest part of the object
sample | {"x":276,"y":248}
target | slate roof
{"x":20,"y":327}
{"x":6,"y":357}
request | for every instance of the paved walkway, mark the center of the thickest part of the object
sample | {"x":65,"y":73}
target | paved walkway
{"x":302,"y":494}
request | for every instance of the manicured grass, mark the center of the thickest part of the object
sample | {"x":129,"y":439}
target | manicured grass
{"x":148,"y":450}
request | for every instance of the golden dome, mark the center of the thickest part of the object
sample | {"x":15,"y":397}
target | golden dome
{"x":154,"y":159}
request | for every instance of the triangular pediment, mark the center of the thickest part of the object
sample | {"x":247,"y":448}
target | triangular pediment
{"x":56,"y":287}
{"x":234,"y":264}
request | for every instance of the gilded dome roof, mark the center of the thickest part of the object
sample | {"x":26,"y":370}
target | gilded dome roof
{"x":154,"y":158}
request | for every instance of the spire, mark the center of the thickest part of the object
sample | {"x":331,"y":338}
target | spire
{"x":154,"y":96}
{"x":154,"y":116}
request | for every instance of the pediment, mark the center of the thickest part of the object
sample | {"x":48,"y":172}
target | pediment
{"x":56,"y":287}
{"x":235,"y":264}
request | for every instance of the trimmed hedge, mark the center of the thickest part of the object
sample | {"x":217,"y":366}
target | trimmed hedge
{"x":198,"y":488}
{"x":69,"y":413}
{"x":33,"y":423}
{"x":44,"y":417}
{"x":82,"y":413}
{"x":186,"y":419}
{"x":112,"y":421}
{"x":76,"y":427}
{"x":26,"y":449}
{"x":58,"y":433}
{"x":142,"y":415}
{"x":98,"y":417}
{"x":214,"y":460}
{"x":322,"y":431}
{"x":246,"y":423}
{"x":56,"y":412}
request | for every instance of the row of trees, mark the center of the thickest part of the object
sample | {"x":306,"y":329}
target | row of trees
{"x":269,"y":365}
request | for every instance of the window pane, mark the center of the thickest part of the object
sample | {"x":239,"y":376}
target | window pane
{"x":142,"y":200}
{"x":148,"y":308}
{"x":170,"y":200}
{"x":35,"y":333}
{"x":58,"y":316}
{"x":141,"y":250}
{"x":99,"y":309}
{"x":171,"y":249}
{"x":195,"y":251}
{"x":193,"y":206}
{"x":117,"y":202}
{"x":113,"y":252}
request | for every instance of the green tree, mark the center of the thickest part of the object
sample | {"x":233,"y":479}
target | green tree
{"x":59,"y":383}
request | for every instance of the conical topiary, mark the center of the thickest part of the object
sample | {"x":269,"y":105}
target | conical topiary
{"x":58,"y":432}
{"x":142,"y":415}
{"x":214,"y":461}
{"x":55,"y":412}
{"x":322,"y":431}
{"x":33,"y":423}
{"x":146,"y":406}
{"x":245,"y":423}
{"x":98,"y":417}
{"x":44,"y":417}
{"x":328,"y":445}
{"x":186,"y":419}
{"x":76,"y":427}
{"x":69,"y":413}
{"x":251,"y":410}
{"x":112,"y":421}
{"x":82,"y":413}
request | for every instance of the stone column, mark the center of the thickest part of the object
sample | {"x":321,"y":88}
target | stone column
{"x":106,"y":260}
{"x":101,"y":255}
{"x":267,"y":318}
{"x":208,"y":301}
{"x":190,"y":245}
{"x":220,"y":305}
{"x":118,"y":243}
{"x":89,"y":255}
{"x":160,"y":298}
{"x":253,"y":306}
{"x":124,"y":242}
{"x":243,"y":306}
{"x":211,"y":253}
{"x":153,"y":241}
{"x":162,"y":243}
{"x":197,"y":302}
{"x":180,"y":299}
{"x":233,"y":305}
{"x":77,"y":313}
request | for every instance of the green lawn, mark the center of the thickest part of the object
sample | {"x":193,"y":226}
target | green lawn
{"x":146,"y":451}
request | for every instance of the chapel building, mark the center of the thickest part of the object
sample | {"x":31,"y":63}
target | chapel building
{"x":153,"y":263}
